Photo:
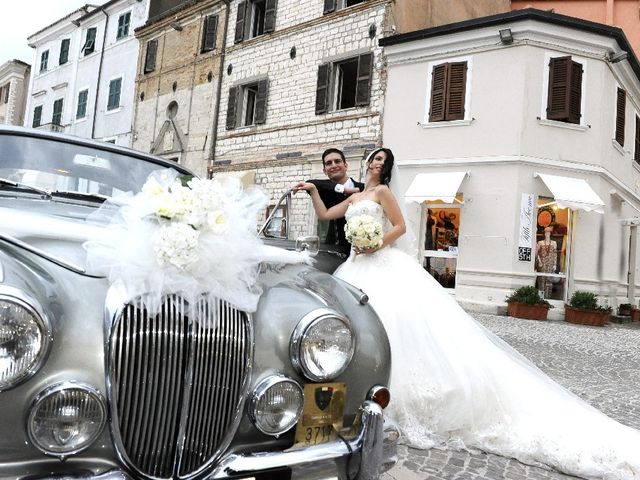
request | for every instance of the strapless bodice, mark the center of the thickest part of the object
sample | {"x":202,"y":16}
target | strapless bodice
{"x":367,"y":207}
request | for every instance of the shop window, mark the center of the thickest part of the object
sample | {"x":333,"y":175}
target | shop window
{"x":255,"y":18}
{"x":209,"y":31}
{"x":344,"y":84}
{"x":247,"y":104}
{"x":448,"y":90}
{"x":123,"y":25}
{"x":277,"y":227}
{"x":620,"y":120}
{"x":552,"y":239}
{"x":564,"y":97}
{"x":333,"y":5}
{"x":64,"y":51}
{"x":440,"y":246}
{"x":44,"y":61}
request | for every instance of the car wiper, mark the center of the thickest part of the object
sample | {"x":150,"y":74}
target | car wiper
{"x":82,"y":195}
{"x":24,"y":186}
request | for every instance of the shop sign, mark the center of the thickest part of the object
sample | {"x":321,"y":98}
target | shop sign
{"x":525,"y":240}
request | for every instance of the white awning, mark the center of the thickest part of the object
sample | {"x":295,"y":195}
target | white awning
{"x":435,"y":186}
{"x":572,"y":193}
{"x":246,"y":177}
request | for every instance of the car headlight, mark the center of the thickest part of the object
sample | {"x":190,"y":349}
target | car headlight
{"x":24,"y":337}
{"x":276,"y":405}
{"x":66,"y":418}
{"x":322,"y":345}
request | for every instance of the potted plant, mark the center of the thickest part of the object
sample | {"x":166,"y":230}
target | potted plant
{"x":625,"y":309}
{"x":584,"y":309}
{"x":525,"y":302}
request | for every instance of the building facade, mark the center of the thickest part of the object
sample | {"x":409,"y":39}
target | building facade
{"x":14,"y":85}
{"x":84,"y":72}
{"x":520,"y":147}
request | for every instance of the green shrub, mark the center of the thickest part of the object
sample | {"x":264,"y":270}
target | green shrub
{"x":587,"y":301}
{"x":529,"y":295}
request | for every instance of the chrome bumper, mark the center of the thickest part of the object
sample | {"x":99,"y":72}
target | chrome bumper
{"x":372,"y":451}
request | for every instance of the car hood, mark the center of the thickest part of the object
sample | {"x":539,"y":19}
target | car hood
{"x":57,"y":230}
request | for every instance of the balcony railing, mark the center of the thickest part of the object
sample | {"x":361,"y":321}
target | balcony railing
{"x":51,"y":127}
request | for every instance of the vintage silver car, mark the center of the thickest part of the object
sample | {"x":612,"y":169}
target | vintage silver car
{"x":92,"y":386}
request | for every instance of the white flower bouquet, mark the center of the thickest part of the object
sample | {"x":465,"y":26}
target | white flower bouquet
{"x":363,"y":231}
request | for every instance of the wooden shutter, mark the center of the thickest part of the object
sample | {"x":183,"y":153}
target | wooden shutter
{"x":438,"y":92}
{"x":209,"y":33}
{"x":270,"y":16}
{"x":329,"y":6}
{"x":240,"y":22}
{"x":558,"y":94}
{"x":455,"y":91}
{"x":64,"y":51}
{"x":636,"y":153}
{"x":322,"y":88}
{"x":620,"y":107}
{"x":150,"y":57}
{"x":363,"y":87}
{"x":231,"y":109}
{"x":575,"y":93}
{"x":261,"y":102}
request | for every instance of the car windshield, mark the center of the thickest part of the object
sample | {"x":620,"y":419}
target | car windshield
{"x":62,"y":166}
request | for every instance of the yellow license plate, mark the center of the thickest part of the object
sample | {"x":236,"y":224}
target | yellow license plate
{"x":322,"y":413}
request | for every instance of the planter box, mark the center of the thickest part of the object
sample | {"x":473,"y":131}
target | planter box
{"x":527,"y":311}
{"x":585,"y":317}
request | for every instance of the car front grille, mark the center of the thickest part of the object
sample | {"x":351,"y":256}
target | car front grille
{"x":177,"y":381}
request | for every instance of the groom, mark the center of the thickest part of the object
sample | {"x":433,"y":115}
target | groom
{"x":334,"y":190}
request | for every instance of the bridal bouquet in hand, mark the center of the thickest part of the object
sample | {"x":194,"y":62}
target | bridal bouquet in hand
{"x":363,"y":231}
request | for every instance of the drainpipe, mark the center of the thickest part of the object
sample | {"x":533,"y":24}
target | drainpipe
{"x":104,"y":44}
{"x":223,"y":49}
{"x":633,"y":242}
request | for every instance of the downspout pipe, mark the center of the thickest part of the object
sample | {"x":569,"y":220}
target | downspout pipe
{"x":104,"y":44}
{"x":216,"y":113}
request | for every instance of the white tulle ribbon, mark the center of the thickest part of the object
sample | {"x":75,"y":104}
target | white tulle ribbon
{"x":194,"y":239}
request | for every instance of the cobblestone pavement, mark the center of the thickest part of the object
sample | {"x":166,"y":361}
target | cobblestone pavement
{"x":600,"y":364}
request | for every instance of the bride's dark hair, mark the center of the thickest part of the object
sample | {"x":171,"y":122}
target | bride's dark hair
{"x":385,"y":176}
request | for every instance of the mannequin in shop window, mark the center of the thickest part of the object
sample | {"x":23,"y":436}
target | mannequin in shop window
{"x":546,"y":261}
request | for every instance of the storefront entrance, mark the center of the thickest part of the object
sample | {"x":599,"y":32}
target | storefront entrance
{"x":441,"y":226}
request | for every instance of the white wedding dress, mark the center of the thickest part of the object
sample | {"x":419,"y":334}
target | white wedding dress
{"x":455,"y":383}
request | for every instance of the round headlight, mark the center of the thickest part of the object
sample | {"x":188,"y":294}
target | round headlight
{"x":24,"y":337}
{"x":66,"y":419}
{"x":276,"y":405}
{"x":322,"y":345}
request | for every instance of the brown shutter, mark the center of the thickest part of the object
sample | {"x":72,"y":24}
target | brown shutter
{"x":322,"y":88}
{"x":261,"y":102}
{"x":330,"y":6}
{"x":559,"y":84}
{"x":231,"y":109}
{"x":438,"y":91}
{"x":209,"y":34}
{"x":363,"y":87}
{"x":270,"y":16}
{"x":575,"y":93}
{"x":150,"y":57}
{"x":240,"y":22}
{"x":636,"y":153}
{"x":456,"y":85}
{"x":620,"y":107}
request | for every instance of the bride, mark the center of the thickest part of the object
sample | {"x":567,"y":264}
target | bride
{"x":453,"y":382}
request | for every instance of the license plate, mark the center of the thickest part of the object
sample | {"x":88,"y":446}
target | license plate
{"x":322,"y":413}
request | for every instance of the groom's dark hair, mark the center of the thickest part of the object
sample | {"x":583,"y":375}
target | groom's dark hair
{"x":333,"y":150}
{"x":385,"y":176}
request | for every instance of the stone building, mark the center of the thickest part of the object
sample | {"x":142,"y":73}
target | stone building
{"x":84,"y":70}
{"x":177,"y":82}
{"x":14,"y":83}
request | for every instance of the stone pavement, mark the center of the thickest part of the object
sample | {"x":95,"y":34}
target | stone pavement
{"x":599,"y":364}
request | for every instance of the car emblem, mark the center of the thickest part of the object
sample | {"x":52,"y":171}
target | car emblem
{"x":323,"y":397}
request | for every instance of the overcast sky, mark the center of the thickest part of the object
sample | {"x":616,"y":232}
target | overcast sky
{"x":22,"y":18}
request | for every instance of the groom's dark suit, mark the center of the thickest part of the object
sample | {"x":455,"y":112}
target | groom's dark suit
{"x":335,"y":233}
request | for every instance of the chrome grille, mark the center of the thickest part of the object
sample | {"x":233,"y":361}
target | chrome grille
{"x":177,"y":383}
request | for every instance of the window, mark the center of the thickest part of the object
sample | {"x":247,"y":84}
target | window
{"x":209,"y":31}
{"x":64,"y":51}
{"x":448,"y":90}
{"x":333,"y":5}
{"x":90,"y":41}
{"x":564,"y":96}
{"x":620,"y":107}
{"x":56,"y":119}
{"x":150,"y":56}
{"x":114,"y":94}
{"x":44,"y":60}
{"x":4,"y":93}
{"x":277,"y":227}
{"x":636,"y":153}
{"x":123,"y":25}
{"x":247,"y":104}
{"x":255,"y":17}
{"x":37,"y":116}
{"x":81,"y":112}
{"x":344,"y":84}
